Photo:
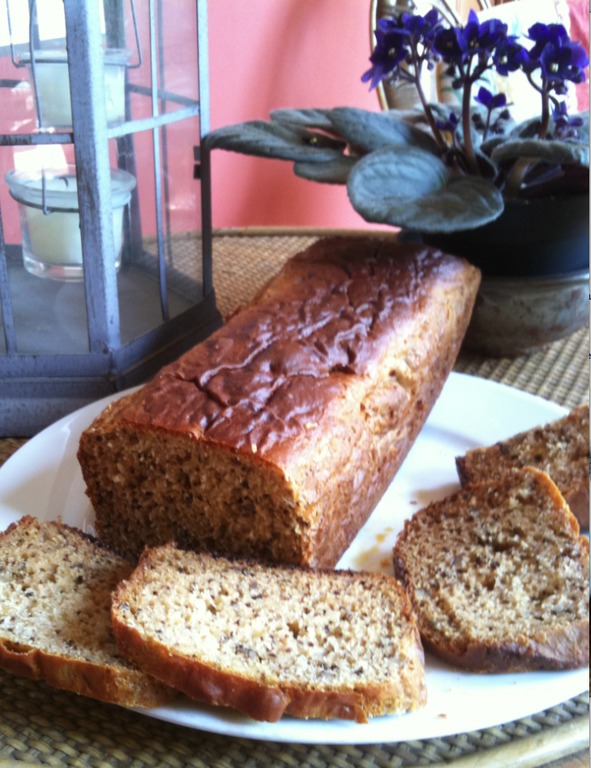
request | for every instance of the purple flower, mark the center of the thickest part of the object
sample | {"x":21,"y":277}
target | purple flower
{"x":491,"y":33}
{"x":544,"y":34}
{"x":509,"y":56}
{"x":565,"y":126}
{"x":451,"y":124}
{"x":421,"y":25}
{"x":406,"y":38}
{"x":464,"y":138}
{"x":390,"y":51}
{"x":447,"y":45}
{"x":565,"y":62}
{"x":458,"y":45}
{"x":559,"y":59}
{"x":489,"y":100}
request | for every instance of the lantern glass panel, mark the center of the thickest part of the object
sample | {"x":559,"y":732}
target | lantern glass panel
{"x":160,"y":275}
{"x":98,"y":292}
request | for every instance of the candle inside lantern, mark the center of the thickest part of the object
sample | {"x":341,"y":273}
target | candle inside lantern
{"x":50,"y":220}
{"x":53,"y":86}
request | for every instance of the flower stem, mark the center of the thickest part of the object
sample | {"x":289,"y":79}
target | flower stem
{"x":467,"y":129}
{"x":441,"y":143}
{"x":516,"y":176}
{"x":545,"y":117}
{"x":523,"y":164}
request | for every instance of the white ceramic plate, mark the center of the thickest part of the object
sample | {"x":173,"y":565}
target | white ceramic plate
{"x":43,"y":479}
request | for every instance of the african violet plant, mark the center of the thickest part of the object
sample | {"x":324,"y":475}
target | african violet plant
{"x":440,"y":169}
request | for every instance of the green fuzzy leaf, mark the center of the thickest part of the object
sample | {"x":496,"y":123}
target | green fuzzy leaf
{"x":489,"y":145}
{"x":333,"y":172}
{"x":530,"y":129}
{"x":374,"y":130}
{"x":312,"y":122}
{"x":304,"y":118}
{"x":554,"y":152}
{"x":583,"y":130}
{"x":272,"y":140}
{"x":527,"y":129}
{"x":488,"y":169}
{"x":413,"y":190}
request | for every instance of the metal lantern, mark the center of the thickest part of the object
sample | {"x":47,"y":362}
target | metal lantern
{"x":105,"y":209}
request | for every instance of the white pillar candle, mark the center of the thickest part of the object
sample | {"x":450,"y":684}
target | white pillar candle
{"x":52,"y":244}
{"x":54,"y":238}
{"x":53,"y":87}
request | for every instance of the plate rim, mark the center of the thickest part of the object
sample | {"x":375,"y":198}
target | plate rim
{"x":347,"y":733}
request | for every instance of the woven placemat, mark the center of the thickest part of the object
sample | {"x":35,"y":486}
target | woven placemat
{"x":40,"y":725}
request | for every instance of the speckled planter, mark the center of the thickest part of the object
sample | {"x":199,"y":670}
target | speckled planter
{"x":535,"y":264}
{"x":516,"y":316}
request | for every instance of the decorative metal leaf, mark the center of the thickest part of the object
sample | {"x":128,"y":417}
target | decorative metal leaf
{"x":412,"y":189}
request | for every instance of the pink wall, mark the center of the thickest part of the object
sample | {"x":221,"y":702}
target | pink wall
{"x":264,"y":54}
{"x":267,"y":54}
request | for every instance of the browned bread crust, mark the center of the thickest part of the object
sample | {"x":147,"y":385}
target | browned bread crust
{"x":269,"y":640}
{"x":276,"y":437}
{"x":55,"y":597}
{"x":560,"y":448}
{"x":499,"y":576}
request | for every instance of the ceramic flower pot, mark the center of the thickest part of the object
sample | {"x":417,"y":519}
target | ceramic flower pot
{"x":535,"y":265}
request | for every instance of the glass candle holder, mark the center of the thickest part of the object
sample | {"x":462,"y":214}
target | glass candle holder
{"x":50,"y":219}
{"x":52,"y":86}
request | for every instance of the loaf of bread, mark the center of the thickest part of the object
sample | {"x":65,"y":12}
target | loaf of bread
{"x":498,"y":576}
{"x":55,"y":620}
{"x":560,"y":448}
{"x":276,"y":437}
{"x":269,"y":640}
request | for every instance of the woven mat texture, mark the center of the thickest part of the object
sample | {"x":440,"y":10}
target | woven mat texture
{"x":39,"y":725}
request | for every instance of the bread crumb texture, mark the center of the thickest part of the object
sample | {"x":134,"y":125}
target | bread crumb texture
{"x":327,"y":643}
{"x":499,"y":576}
{"x":559,"y":448}
{"x":56,"y":592}
{"x":55,"y":603}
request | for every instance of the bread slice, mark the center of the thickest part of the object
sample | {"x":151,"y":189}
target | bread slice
{"x":560,"y":448}
{"x":55,"y":600}
{"x":499,"y":576}
{"x":269,"y":640}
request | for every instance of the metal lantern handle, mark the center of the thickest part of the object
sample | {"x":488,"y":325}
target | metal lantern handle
{"x":34,"y":39}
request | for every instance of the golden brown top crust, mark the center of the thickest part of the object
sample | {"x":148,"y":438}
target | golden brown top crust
{"x":270,"y":372}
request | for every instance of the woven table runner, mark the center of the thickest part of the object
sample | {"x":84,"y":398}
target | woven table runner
{"x":43,"y":726}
